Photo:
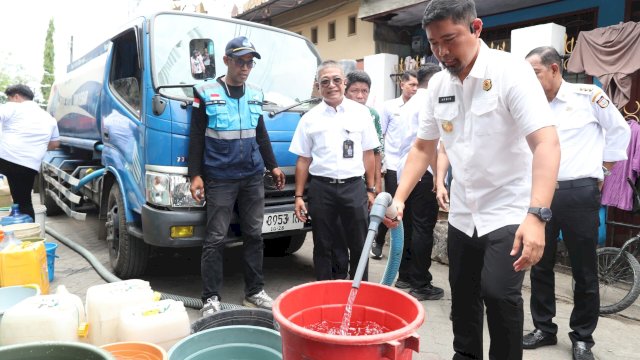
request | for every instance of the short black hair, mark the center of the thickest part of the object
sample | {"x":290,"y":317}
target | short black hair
{"x":408,"y":74}
{"x":426,"y":71}
{"x":548,"y":55}
{"x":459,"y":11}
{"x":20,"y":89}
{"x":358,"y":76}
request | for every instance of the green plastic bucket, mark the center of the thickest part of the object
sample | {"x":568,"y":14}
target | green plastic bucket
{"x":239,"y":342}
{"x":55,"y":350}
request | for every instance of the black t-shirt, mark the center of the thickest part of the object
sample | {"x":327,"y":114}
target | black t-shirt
{"x":199,"y":121}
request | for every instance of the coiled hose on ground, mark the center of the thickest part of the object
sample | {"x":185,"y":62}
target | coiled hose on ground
{"x":104,"y":273}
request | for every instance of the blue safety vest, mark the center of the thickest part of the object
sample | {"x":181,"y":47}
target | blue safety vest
{"x":231,"y":150}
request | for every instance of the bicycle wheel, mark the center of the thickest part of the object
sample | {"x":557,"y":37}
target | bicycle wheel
{"x":619,"y":282}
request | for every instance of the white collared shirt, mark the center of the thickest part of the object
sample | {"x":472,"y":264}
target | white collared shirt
{"x":583,"y":111}
{"x":26,"y":133}
{"x":409,"y":116}
{"x":392,"y":130}
{"x":483,"y":123}
{"x":321,"y":134}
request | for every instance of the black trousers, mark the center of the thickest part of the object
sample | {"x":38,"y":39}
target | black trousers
{"x":221,"y":198}
{"x":20,"y":182}
{"x":337,"y":211}
{"x":390,"y":186}
{"x":575,"y":212}
{"x":420,"y":216}
{"x":481,"y":274}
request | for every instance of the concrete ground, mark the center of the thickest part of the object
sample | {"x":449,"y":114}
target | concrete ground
{"x":616,"y":337}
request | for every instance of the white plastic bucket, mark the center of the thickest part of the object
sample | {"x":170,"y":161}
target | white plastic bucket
{"x":41,"y":215}
{"x":24,"y":230}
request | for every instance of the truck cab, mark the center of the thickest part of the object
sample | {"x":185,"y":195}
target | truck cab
{"x":124,"y":113}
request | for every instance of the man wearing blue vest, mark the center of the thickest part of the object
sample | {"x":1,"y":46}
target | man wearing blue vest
{"x":228,"y":150}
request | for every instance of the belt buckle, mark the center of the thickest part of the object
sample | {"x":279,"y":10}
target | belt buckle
{"x":336,"y":181}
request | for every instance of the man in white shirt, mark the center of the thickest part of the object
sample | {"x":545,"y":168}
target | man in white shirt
{"x":393,"y":130}
{"x":588,"y":153}
{"x":334,"y":142}
{"x":421,"y":207}
{"x":490,"y":112}
{"x":27,"y":133}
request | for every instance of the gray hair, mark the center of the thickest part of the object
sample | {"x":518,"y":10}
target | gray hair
{"x":548,"y":55}
{"x":425,"y":72}
{"x":328,"y":64}
{"x":459,"y":11}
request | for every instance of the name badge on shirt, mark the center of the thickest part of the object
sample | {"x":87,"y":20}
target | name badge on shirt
{"x":446,"y":99}
{"x":347,"y":149}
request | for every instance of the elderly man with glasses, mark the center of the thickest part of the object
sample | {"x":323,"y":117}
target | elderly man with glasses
{"x":228,"y":151}
{"x":334,"y":142}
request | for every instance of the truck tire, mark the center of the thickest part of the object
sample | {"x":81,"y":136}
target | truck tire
{"x":283,"y":245}
{"x":128,"y":255}
{"x":46,"y":200}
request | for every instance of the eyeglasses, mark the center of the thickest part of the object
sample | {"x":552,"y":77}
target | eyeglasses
{"x":240,"y":63}
{"x":336,"y":81}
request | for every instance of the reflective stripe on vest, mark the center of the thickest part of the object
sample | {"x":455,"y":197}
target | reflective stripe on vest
{"x":230,"y":135}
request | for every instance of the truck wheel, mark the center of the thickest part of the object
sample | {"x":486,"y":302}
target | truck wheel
{"x":283,"y":245}
{"x":127,"y":254}
{"x":46,"y":200}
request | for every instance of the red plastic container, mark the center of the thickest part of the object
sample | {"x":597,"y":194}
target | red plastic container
{"x":311,"y":303}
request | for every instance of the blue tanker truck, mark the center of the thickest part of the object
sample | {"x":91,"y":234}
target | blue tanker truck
{"x":124,"y":111}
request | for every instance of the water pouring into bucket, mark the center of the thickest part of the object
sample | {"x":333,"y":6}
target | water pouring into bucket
{"x":303,"y":310}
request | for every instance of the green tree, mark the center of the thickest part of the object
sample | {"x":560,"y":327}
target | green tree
{"x":49,"y":55}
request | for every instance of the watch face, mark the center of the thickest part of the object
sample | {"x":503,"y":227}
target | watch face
{"x":545,"y":214}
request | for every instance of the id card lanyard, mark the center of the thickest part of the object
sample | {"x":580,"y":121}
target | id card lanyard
{"x":347,"y":147}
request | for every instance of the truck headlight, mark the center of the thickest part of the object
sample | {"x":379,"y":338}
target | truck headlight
{"x":169,"y":190}
{"x":157,"y":188}
{"x":181,"y":193}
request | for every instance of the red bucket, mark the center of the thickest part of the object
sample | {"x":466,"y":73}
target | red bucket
{"x":311,"y":303}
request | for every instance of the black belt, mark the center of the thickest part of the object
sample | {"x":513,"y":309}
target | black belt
{"x":568,"y":184}
{"x":337,"y":181}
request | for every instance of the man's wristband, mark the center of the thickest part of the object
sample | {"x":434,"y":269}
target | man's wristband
{"x":297,"y":196}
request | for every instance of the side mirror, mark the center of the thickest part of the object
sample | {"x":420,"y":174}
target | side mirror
{"x":158,"y":104}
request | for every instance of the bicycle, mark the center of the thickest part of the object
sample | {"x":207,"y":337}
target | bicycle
{"x":619,"y":272}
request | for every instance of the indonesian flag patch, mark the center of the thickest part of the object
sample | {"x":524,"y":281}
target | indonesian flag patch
{"x":196,"y":102}
{"x":214,"y":95}
{"x":602,"y":102}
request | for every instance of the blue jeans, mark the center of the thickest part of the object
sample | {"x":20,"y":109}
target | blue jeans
{"x":221,"y":197}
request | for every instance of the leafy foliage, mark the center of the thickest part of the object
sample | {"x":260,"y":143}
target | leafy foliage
{"x":49,"y":56}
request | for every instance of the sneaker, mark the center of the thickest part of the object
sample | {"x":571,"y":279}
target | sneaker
{"x":428,"y":292}
{"x":376,"y":251}
{"x":211,"y":307}
{"x":260,"y":300}
{"x":401,"y":284}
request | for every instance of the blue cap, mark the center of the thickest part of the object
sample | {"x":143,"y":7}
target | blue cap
{"x":241,"y":46}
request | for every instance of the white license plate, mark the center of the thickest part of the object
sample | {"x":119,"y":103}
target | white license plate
{"x":280,"y":221}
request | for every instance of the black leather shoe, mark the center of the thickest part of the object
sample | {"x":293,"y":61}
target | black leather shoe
{"x":428,"y":292}
{"x":538,"y":338}
{"x":401,"y":284}
{"x":581,"y":351}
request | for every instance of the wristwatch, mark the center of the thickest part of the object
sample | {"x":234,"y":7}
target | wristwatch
{"x":605,"y":171}
{"x":542,"y":213}
{"x":371,"y":189}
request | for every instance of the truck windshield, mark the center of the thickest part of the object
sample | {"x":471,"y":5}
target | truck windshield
{"x":285,"y":72}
